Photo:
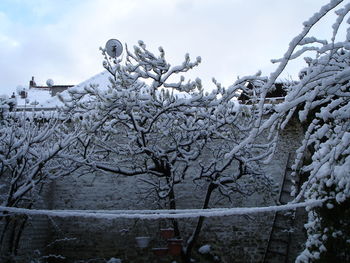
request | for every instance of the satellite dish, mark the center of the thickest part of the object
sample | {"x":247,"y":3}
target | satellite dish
{"x":49,"y":82}
{"x":114,"y":48}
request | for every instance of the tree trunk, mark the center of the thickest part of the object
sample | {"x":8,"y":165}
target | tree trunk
{"x":172,"y":205}
{"x":19,"y":235}
{"x":195,"y":235}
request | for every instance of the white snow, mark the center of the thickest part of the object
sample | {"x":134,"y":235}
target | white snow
{"x":100,"y":79}
{"x":41,"y":98}
{"x":159,"y":214}
{"x":114,"y":260}
{"x":38,"y":98}
{"x":204,"y":249}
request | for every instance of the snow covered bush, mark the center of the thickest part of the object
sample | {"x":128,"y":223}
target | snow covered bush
{"x":32,"y":152}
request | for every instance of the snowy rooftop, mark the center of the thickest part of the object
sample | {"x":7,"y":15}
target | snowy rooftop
{"x":101,"y":79}
{"x":41,"y":98}
{"x":38,"y":98}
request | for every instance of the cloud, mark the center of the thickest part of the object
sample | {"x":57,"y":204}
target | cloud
{"x":233,"y":37}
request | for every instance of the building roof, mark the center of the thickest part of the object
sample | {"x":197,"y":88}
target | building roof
{"x":44,"y":97}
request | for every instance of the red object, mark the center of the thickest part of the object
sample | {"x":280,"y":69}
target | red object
{"x":160,"y":251}
{"x":175,"y":246}
{"x":167,"y":233}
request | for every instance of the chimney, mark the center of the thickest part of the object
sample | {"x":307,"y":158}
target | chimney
{"x":32,"y":83}
{"x":23,"y":94}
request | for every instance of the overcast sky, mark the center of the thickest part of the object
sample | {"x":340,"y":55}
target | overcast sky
{"x":61,"y":39}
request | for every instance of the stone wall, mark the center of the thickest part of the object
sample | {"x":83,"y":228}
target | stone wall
{"x":36,"y":231}
{"x":233,"y":238}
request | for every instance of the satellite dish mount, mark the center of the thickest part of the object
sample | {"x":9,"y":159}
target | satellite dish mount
{"x":114,"y":48}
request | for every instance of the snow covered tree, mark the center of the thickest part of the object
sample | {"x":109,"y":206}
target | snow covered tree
{"x":321,"y":101}
{"x":151,"y":123}
{"x":147,"y":123}
{"x":33,"y":151}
